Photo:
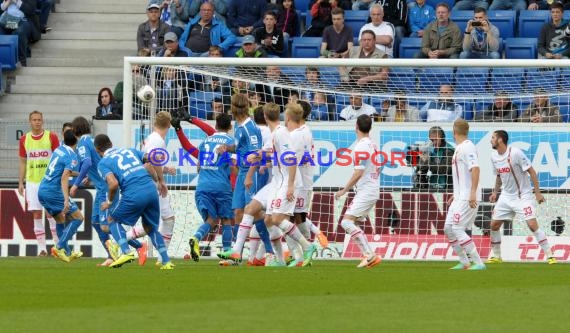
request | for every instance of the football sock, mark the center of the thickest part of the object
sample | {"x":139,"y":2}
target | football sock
{"x":103,"y":236}
{"x":243,"y":232}
{"x":135,"y":232}
{"x":52,"y":227}
{"x":292,"y":231}
{"x":59,"y":228}
{"x":202,"y":231}
{"x":227,"y":235}
{"x":68,"y":232}
{"x":358,"y":236}
{"x":264,"y":235}
{"x":165,"y":229}
{"x":158,"y":243}
{"x":468,"y":246}
{"x":496,"y":243}
{"x":40,"y":233}
{"x":305,"y":231}
{"x":543,"y":242}
{"x":118,"y":233}
{"x":253,"y":244}
{"x":294,"y":248}
{"x":278,"y":248}
{"x":314,"y":229}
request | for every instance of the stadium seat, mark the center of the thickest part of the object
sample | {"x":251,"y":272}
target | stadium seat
{"x":564,"y":77}
{"x":402,"y":78}
{"x":461,"y":17}
{"x":482,"y":103}
{"x":521,"y":48}
{"x":469,"y":80}
{"x":434,"y":3}
{"x":201,"y":103}
{"x":409,"y":47}
{"x":468,"y":108}
{"x":430,"y":78}
{"x":9,"y":51}
{"x":531,"y":21}
{"x":330,"y":76}
{"x":504,"y":20}
{"x":355,"y":19}
{"x":306,"y":47}
{"x":563,"y":102}
{"x":2,"y":88}
{"x":546,"y":78}
{"x":295,"y":73}
{"x":231,"y":51}
{"x":508,"y":79}
{"x":302,"y":5}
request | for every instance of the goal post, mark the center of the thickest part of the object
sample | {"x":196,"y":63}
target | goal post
{"x":407,"y":222}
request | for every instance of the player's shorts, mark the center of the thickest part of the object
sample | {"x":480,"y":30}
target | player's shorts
{"x":165,"y":208}
{"x":361,"y":204}
{"x":131,"y":206}
{"x":508,"y":207}
{"x":264,"y":196}
{"x":54,"y":202}
{"x":302,"y":200}
{"x":32,"y":201}
{"x":214,"y":204}
{"x":460,"y":214}
{"x":279,"y":203}
{"x":97,"y":215}
{"x":241,"y":196}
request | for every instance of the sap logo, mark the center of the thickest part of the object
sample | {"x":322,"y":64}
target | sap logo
{"x":504,"y":170}
{"x":34,"y":154}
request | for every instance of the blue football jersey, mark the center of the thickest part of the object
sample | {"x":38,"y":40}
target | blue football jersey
{"x":214,"y":168}
{"x":63,"y":158}
{"x":86,"y":150}
{"x":248,"y":138}
{"x":127,"y":166}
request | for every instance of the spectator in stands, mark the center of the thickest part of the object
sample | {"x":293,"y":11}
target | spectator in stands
{"x":44,"y":8}
{"x":337,"y":38}
{"x":172,"y":48}
{"x":175,"y":13}
{"x":217,"y":108}
{"x":151,"y":33}
{"x":396,"y":12}
{"x":356,"y":108}
{"x":215,"y":83}
{"x":553,"y":39}
{"x":172,"y":92}
{"x":541,"y":111}
{"x":481,"y":38}
{"x":363,"y":4}
{"x":365,"y":76}
{"x":501,"y":110}
{"x":419,"y":17}
{"x":444,"y":109}
{"x":321,"y":13}
{"x":517,"y":5}
{"x":287,"y":19}
{"x":438,"y":162}
{"x":250,"y":49}
{"x":320,"y":109}
{"x":402,"y":111}
{"x":269,"y":37}
{"x":275,"y":88}
{"x":442,"y":37}
{"x":545,"y":4}
{"x":108,"y":108}
{"x":470,"y":4}
{"x":384,"y":31}
{"x":205,"y":30}
{"x":220,"y":8}
{"x":19,"y":18}
{"x":245,"y":16}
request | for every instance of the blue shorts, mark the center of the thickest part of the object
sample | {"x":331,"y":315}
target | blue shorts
{"x":242,"y":196}
{"x":214,"y":204}
{"x":97,"y":215}
{"x":53,"y":202}
{"x":131,"y":206}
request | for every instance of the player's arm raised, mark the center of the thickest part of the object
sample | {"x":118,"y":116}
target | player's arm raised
{"x":539,"y":197}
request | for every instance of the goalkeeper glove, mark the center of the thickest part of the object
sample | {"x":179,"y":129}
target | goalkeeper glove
{"x":175,"y":122}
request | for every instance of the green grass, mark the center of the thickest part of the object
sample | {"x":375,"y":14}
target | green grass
{"x":43,"y":294}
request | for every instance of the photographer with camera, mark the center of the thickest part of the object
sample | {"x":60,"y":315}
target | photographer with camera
{"x":434,"y":162}
{"x":481,"y":38}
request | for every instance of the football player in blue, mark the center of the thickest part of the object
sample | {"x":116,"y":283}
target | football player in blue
{"x":88,"y":161}
{"x":53,"y":194}
{"x":124,"y":169}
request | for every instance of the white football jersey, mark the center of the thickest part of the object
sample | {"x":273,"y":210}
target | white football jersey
{"x":153,"y":141}
{"x":283,"y":148}
{"x":464,"y":159}
{"x":266,"y":146}
{"x":512,"y":167}
{"x":369,"y":182}
{"x":306,"y":170}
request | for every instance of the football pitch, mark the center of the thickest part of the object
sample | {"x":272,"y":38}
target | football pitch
{"x":46,"y":295}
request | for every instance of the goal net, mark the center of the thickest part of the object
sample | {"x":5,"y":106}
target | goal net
{"x":411,"y":102}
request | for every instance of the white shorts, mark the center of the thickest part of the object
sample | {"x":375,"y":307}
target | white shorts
{"x":263,"y":196}
{"x":302,"y":200}
{"x":32,"y":201}
{"x":279,"y":203}
{"x":361,"y":204}
{"x":508,"y":207}
{"x":460,"y":214}
{"x":165,"y":209}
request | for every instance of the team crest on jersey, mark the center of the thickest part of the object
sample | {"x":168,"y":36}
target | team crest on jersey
{"x":73,"y":163}
{"x":253,"y":139}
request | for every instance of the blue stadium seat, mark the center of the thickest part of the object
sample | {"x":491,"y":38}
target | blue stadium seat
{"x":482,"y":103}
{"x":434,"y":3}
{"x":409,"y":47}
{"x":402,"y":78}
{"x":355,"y":19}
{"x":231,"y":51}
{"x":9,"y":51}
{"x":295,"y":73}
{"x":468,"y":108}
{"x":564,"y":77}
{"x":521,"y":48}
{"x":469,"y":80}
{"x":563,"y":102}
{"x":2,"y":88}
{"x":306,"y":47}
{"x":302,"y":5}
{"x":201,"y":103}
{"x":430,"y":78}
{"x":508,"y":79}
{"x":504,"y":20}
{"x":546,"y":78}
{"x":461,"y":17}
{"x":330,"y":76}
{"x":531,"y":21}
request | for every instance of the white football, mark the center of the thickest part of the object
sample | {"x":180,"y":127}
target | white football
{"x":146,"y":93}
